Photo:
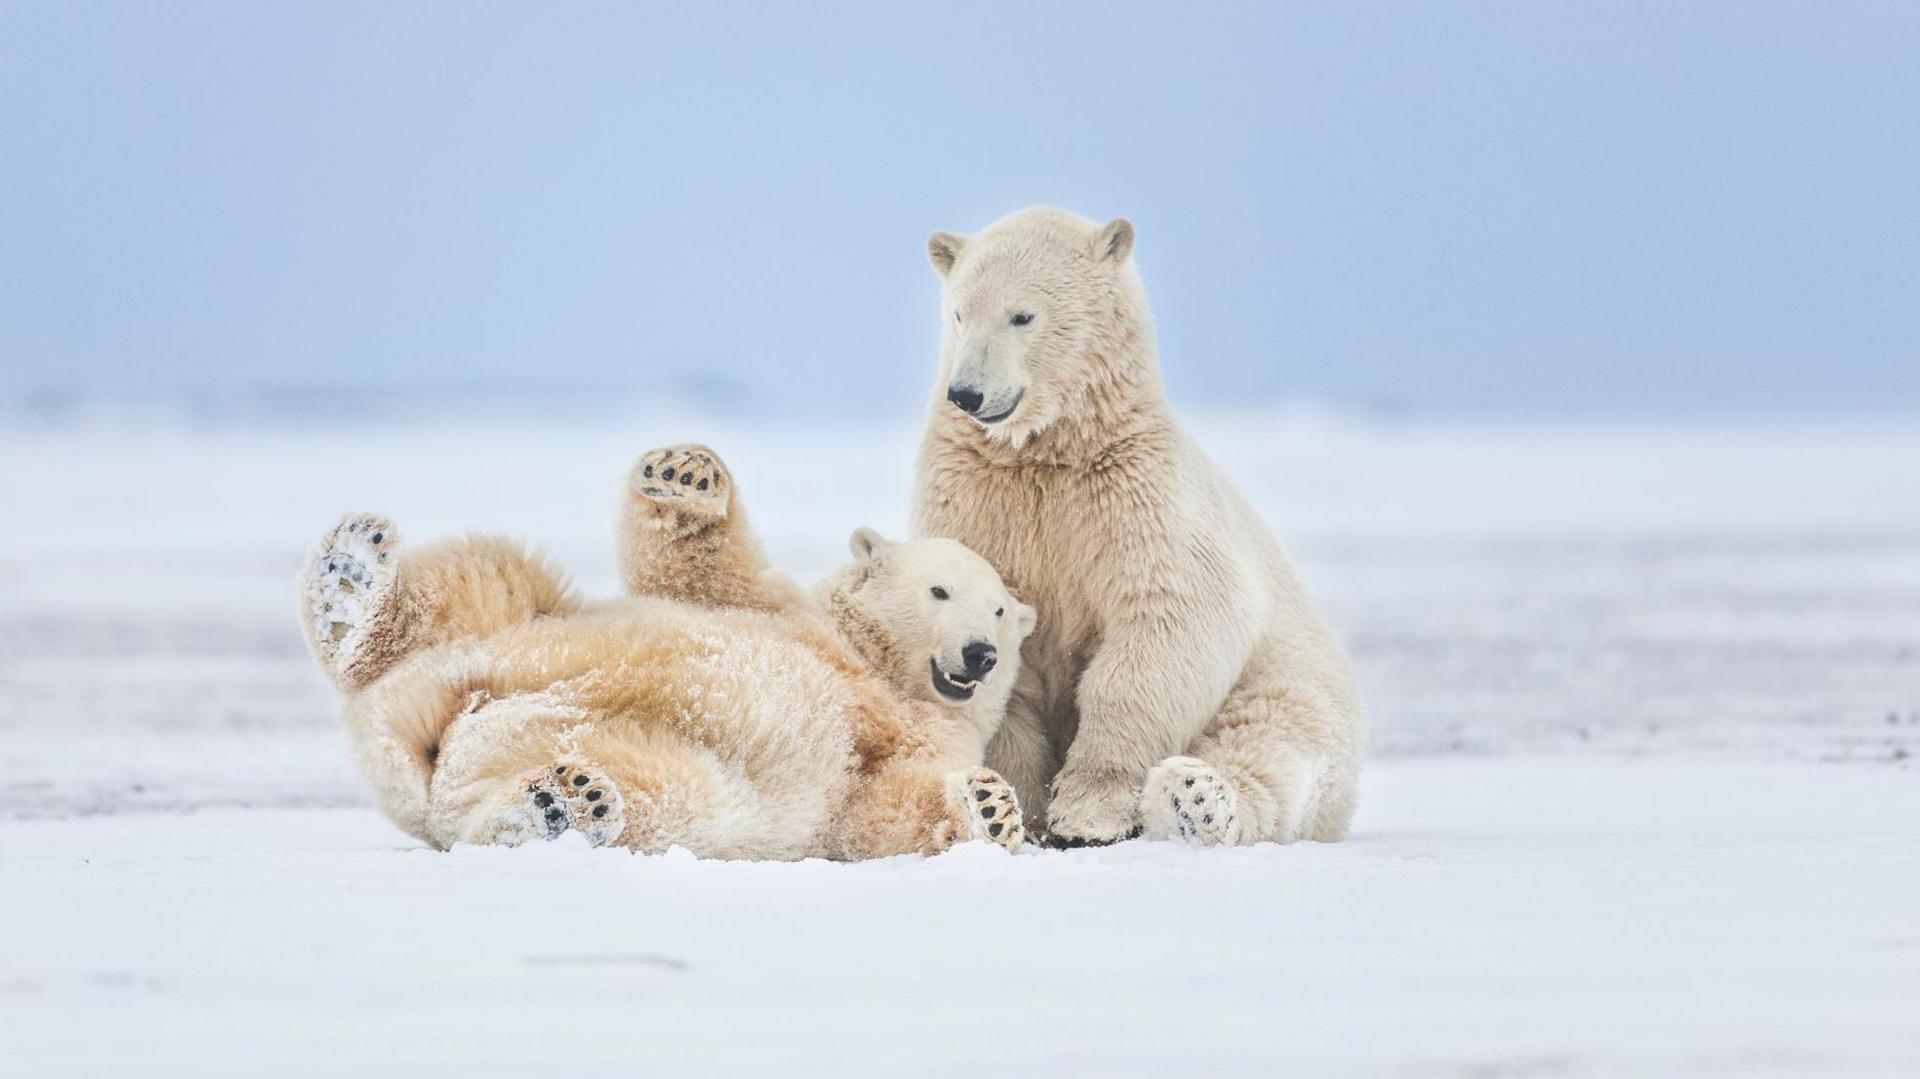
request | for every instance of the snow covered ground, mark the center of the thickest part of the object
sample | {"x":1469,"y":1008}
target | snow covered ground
{"x":1491,"y":918}
{"x":1645,"y":699}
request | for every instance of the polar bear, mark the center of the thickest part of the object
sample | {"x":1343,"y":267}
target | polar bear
{"x":716,"y":708}
{"x":1180,"y":682}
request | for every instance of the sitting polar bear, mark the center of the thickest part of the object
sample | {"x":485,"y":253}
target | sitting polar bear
{"x":1180,"y":681}
{"x":717,"y":710}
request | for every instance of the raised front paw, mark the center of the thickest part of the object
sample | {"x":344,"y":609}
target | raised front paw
{"x":1092,"y":809}
{"x":686,"y":480}
{"x":1186,"y":799}
{"x":992,"y":811}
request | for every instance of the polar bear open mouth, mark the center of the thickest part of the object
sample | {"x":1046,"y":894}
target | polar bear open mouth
{"x":953,"y":689}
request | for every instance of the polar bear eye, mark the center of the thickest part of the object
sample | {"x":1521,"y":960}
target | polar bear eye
{"x":956,"y":316}
{"x":939,"y":592}
{"x":999,"y":612}
{"x":1022,"y":319}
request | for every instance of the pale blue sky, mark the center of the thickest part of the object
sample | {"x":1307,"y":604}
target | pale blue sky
{"x":1488,"y":207}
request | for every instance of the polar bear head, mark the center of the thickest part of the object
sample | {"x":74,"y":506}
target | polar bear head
{"x":935,"y":618}
{"x":1039,"y":308}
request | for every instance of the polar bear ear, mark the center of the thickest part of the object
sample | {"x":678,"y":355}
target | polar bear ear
{"x":866,"y":543}
{"x":1025,"y":617}
{"x":1115,"y":241}
{"x":943,"y":250}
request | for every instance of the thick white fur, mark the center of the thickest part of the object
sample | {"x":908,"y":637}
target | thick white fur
{"x":808,"y":730}
{"x":1171,"y":625}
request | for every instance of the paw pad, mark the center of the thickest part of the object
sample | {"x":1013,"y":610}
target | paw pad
{"x":1186,"y":799}
{"x":685,"y":479}
{"x":575,"y":797}
{"x":994,"y":809}
{"x":349,"y":586}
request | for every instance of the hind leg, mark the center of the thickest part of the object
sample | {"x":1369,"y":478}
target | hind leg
{"x":365,"y":604}
{"x":541,"y":804}
{"x":684,"y":535}
{"x":510,"y":771}
{"x":526,"y":768}
{"x":357,"y":617}
{"x":1276,"y":765}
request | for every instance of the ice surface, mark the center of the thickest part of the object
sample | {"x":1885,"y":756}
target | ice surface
{"x":1643,"y":701}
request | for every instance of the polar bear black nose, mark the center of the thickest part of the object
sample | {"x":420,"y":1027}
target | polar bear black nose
{"x":979,"y":658}
{"x":968,"y":401}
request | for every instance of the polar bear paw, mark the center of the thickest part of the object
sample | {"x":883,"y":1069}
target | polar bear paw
{"x":687,"y":480}
{"x":992,"y":810}
{"x":1091,"y":809}
{"x":1186,"y":799}
{"x":348,"y":587}
{"x":572,"y":796}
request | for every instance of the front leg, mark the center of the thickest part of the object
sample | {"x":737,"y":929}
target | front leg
{"x":917,"y":810}
{"x":1149,"y":690}
{"x":684,"y":535}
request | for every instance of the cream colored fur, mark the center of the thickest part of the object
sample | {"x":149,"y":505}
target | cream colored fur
{"x":726,"y":715}
{"x":1177,"y":655}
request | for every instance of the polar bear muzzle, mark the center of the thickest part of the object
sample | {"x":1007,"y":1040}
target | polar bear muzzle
{"x":974,"y":403}
{"x":979,"y":658}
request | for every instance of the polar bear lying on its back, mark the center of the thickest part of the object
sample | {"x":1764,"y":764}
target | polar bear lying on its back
{"x":717,"y":710}
{"x":1180,"y":681}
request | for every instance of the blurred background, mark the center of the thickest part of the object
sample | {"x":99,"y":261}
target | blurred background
{"x":1573,"y":349}
{"x":1498,"y":208}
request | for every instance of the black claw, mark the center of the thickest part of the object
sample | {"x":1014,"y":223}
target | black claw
{"x":556,"y":814}
{"x":1189,"y":781}
{"x":981,"y":795}
{"x":1199,"y":799}
{"x":560,"y":771}
{"x":686,"y":479}
{"x":580,"y":781}
{"x":593,"y":796}
{"x":543,"y":799}
{"x":599,"y":811}
{"x":1208,"y":819}
{"x":666,"y":473}
{"x":1133,"y":833}
{"x":378,"y":536}
{"x":996,"y":828}
{"x":987,"y":812}
{"x":647,"y":471}
{"x":703,"y":485}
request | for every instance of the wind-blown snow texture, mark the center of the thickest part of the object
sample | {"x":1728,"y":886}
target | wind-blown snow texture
{"x":1535,"y":612}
